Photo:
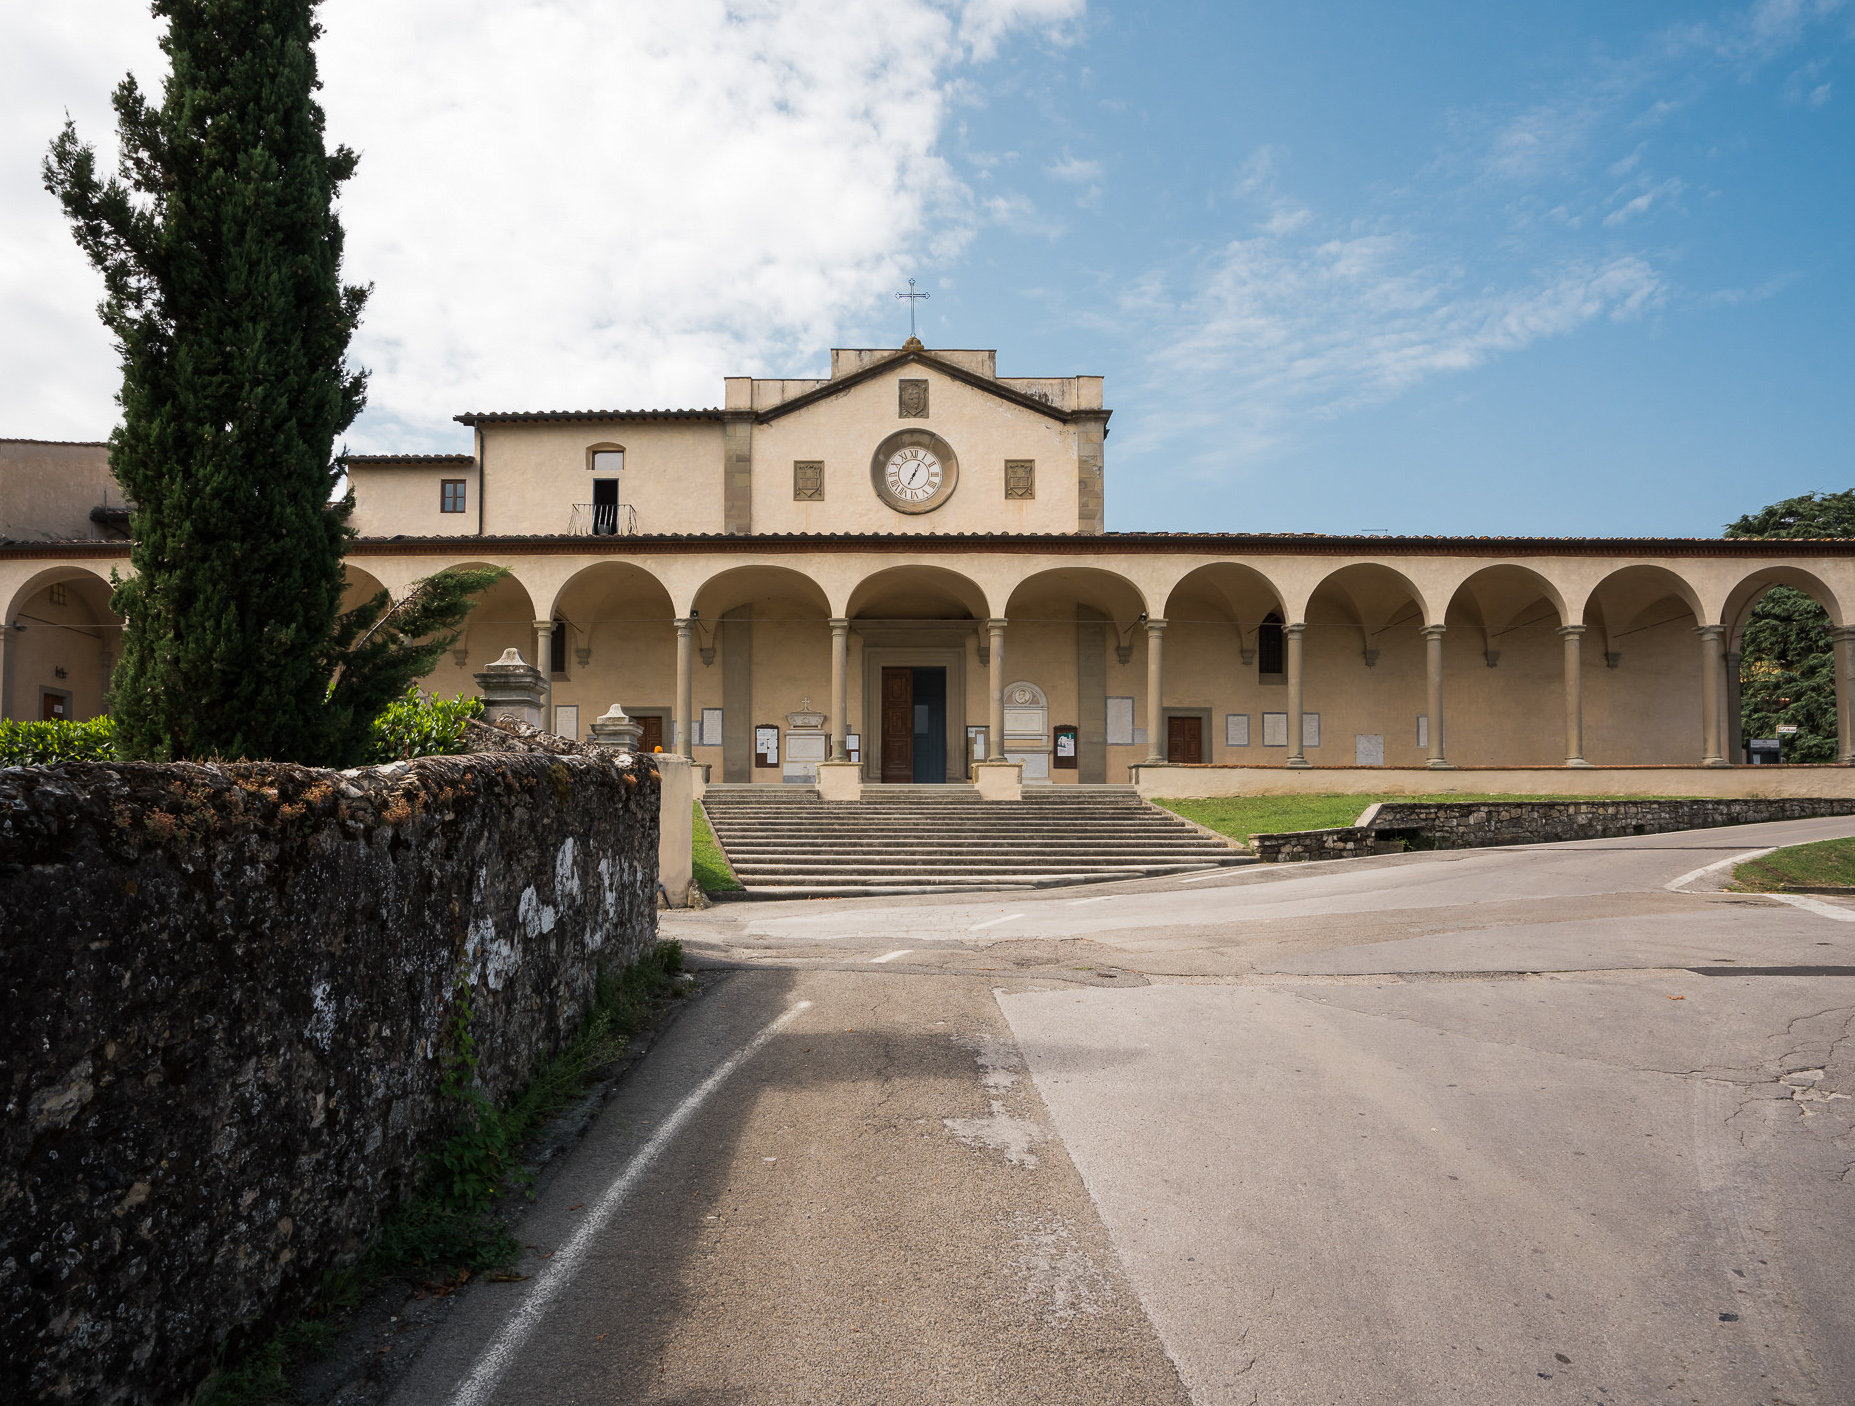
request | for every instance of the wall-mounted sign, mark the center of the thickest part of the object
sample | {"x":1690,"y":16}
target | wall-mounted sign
{"x":766,"y":744}
{"x":1065,"y":738}
{"x":1785,"y":729}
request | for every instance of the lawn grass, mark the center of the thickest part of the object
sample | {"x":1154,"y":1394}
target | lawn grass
{"x":1243,"y":816}
{"x":1825,"y":864}
{"x":711,"y":866}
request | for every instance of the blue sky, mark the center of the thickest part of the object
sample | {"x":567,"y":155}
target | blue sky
{"x":1448,"y":268}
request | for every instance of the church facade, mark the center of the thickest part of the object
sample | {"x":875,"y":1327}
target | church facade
{"x":905,"y":565}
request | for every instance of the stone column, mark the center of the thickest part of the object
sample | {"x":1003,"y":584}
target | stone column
{"x":1292,"y":664}
{"x":681,"y":730}
{"x":840,"y":688}
{"x":544,"y":665}
{"x":995,"y":718}
{"x":1710,"y":666}
{"x":1155,"y":692}
{"x":1573,"y":635}
{"x":1735,"y":720}
{"x":1433,"y":660}
{"x":1845,"y":694}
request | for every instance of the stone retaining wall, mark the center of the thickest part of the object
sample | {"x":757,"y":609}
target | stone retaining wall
{"x":227,"y":993}
{"x":1391,"y":826}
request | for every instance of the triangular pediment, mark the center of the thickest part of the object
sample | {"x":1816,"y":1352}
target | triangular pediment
{"x":919,"y":356}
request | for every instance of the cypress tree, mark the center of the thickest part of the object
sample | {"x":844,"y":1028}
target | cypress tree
{"x":221,"y":256}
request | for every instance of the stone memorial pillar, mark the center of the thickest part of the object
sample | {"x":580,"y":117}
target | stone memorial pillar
{"x":1433,"y":660}
{"x":1292,"y":666}
{"x":614,"y":731}
{"x":1573,"y":635}
{"x":1155,"y":693}
{"x":513,"y":688}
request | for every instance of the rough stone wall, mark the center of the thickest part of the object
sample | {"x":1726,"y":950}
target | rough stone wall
{"x":227,"y":995}
{"x":1472,"y":824}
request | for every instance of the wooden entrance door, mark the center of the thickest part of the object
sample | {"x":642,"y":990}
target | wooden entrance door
{"x":55,"y":707}
{"x":898,"y":725}
{"x":652,"y":737}
{"x":1184,"y":740}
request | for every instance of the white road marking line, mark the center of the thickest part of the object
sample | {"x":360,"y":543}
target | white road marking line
{"x":994,"y":922}
{"x":1078,"y":902}
{"x":891,"y":956}
{"x":1814,"y":905}
{"x":1200,"y":878}
{"x":559,"y":1272}
{"x":1676,"y":885}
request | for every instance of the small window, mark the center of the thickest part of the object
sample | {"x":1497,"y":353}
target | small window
{"x":608,"y":461}
{"x":808,"y":481}
{"x":451,"y":497}
{"x":1020,"y":478}
{"x":58,"y":596}
{"x":557,"y":649}
{"x":1269,"y":646}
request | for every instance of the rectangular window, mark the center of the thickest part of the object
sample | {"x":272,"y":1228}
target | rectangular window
{"x":451,"y":496}
{"x":808,"y":480}
{"x":1020,"y":478}
{"x":1236,"y":729}
{"x":557,"y":648}
{"x":1120,"y":722}
{"x":57,"y":596}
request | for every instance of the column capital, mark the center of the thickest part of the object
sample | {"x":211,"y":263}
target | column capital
{"x":1154,"y":627}
{"x":1841,"y":634}
{"x":1295,"y":629}
{"x":684,"y":624}
{"x":1433,"y":632}
{"x":838,"y":624}
{"x":1710,"y":632}
{"x":996,"y":624}
{"x":544,"y":624}
{"x":1571,"y":632}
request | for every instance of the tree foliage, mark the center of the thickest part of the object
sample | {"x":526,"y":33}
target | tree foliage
{"x":1787,"y":661}
{"x":419,"y":725}
{"x":221,"y":259}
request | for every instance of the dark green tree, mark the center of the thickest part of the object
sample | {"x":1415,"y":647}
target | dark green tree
{"x":221,"y":257}
{"x":1787,"y":662}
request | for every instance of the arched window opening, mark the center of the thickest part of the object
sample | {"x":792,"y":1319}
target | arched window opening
{"x":1269,"y":645}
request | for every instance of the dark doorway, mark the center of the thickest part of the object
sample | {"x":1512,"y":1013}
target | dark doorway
{"x":605,"y":507}
{"x":914,"y":726}
{"x":898,"y":727}
{"x":651,"y":739}
{"x":930,"y":726}
{"x":1184,"y":740}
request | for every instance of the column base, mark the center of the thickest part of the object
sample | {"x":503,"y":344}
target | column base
{"x":1299,"y":763}
{"x":1577,"y":762}
{"x":1715,"y":761}
{"x":1438,"y":764}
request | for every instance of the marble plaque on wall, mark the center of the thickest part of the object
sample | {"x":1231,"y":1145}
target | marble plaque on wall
{"x":1275,"y":729}
{"x":1120,"y":722}
{"x":807,"y":747}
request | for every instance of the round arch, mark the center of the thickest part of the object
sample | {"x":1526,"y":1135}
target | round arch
{"x":916,"y":592}
{"x":1753,"y":586}
{"x":1502,"y":593}
{"x":503,"y":618}
{"x":1114,"y":595}
{"x":62,"y":641}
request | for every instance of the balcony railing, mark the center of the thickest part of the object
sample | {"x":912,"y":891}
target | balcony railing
{"x":603,"y":520}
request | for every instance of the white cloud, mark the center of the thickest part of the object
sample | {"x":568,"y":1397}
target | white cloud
{"x":1272,"y":333}
{"x":1665,"y":191}
{"x":560,"y":202}
{"x":1075,"y":170}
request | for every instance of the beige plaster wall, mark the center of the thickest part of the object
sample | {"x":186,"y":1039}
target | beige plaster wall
{"x":47,"y":490}
{"x":75,"y":636}
{"x":1192,"y":783}
{"x":408,"y":499}
{"x":844,"y":431}
{"x":537,"y":472}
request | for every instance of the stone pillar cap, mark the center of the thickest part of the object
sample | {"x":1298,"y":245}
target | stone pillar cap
{"x":615,"y":713}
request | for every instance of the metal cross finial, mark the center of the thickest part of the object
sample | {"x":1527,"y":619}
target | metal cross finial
{"x":912,"y":297}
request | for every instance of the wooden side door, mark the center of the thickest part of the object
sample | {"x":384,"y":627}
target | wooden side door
{"x":652,"y":737}
{"x":898,"y":725}
{"x":1184,"y":740}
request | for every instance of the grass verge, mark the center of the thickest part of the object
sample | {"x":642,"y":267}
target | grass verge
{"x":711,"y":866}
{"x":1243,"y":816}
{"x":1825,"y":864}
{"x":449,"y":1231}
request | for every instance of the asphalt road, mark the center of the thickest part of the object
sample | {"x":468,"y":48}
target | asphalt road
{"x":1557,"y":1123}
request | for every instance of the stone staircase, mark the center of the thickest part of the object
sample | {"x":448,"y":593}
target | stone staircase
{"x":784,"y":842}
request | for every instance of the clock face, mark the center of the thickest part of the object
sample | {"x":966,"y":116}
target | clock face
{"x":912,"y":475}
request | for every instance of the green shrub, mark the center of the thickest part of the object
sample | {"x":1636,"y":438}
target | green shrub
{"x":47,"y":744}
{"x":419,"y":725}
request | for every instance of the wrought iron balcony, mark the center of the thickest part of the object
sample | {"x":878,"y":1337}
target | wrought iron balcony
{"x":603,"y":520}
